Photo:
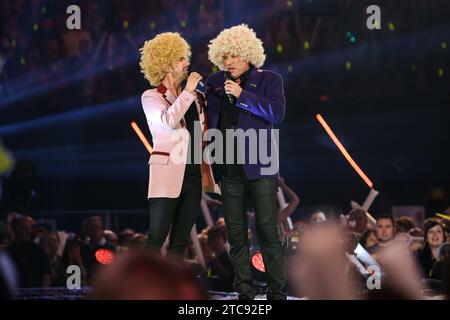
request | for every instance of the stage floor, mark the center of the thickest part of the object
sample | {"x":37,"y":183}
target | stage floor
{"x":82,"y":294}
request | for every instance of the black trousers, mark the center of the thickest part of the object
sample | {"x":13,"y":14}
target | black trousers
{"x":176,"y":215}
{"x":236,"y":192}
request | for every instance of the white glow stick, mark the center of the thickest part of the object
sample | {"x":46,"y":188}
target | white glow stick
{"x":370,"y":198}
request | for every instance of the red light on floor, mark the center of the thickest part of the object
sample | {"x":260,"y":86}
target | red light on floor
{"x":104,"y":256}
{"x":258,"y":263}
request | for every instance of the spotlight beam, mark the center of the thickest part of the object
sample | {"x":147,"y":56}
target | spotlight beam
{"x":89,"y":113}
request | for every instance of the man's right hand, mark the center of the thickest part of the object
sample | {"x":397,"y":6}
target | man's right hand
{"x":192,"y":82}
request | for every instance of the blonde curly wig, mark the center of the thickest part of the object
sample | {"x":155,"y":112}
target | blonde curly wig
{"x":159,"y":53}
{"x":238,"y":40}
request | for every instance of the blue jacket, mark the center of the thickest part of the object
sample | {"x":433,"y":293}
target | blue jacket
{"x":261,"y":105}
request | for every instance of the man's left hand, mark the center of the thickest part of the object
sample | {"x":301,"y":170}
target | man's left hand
{"x":233,"y":88}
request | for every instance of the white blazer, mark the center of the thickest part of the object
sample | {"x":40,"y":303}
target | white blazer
{"x":165,"y":118}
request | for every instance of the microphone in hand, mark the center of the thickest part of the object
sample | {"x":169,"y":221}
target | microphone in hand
{"x":202,"y":87}
{"x":228,"y":77}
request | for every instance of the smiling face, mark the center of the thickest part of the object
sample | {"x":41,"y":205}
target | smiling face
{"x":435,"y":236}
{"x":235,"y":65}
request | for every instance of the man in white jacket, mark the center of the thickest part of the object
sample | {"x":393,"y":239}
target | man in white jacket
{"x":176,"y":120}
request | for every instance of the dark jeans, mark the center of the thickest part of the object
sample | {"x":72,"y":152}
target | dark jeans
{"x":235,"y":195}
{"x":177,"y":215}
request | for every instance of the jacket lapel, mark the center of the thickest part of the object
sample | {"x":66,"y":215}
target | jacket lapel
{"x":169,"y":98}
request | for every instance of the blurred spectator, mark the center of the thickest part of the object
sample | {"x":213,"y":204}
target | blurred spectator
{"x":429,"y":256}
{"x":72,"y":256}
{"x":111,"y":238}
{"x":403,"y":238}
{"x":125,"y":237}
{"x":357,"y":220}
{"x":385,"y":232}
{"x":401,"y":278}
{"x":404,"y":224}
{"x":317,"y":217}
{"x":94,"y":240}
{"x":146,"y":276}
{"x":32,"y":263}
{"x":203,"y":240}
{"x":319,"y":268}
{"x":49,"y":242}
{"x":38,"y":230}
{"x":138,"y":241}
{"x":416,"y":232}
{"x":417,"y":242}
{"x":416,"y":245}
{"x":6,"y":236}
{"x":219,"y":262}
{"x":368,"y":239}
{"x":351,"y":241}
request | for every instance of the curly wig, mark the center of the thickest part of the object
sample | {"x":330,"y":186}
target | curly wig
{"x":238,"y":40}
{"x":159,"y":53}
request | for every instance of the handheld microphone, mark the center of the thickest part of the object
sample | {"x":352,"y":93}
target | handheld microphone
{"x":202,"y":87}
{"x":228,"y":77}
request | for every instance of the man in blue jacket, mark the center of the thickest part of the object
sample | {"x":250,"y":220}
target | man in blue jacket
{"x":244,"y":102}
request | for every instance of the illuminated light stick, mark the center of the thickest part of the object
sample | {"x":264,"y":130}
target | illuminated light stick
{"x":366,"y":205}
{"x":443,"y":216}
{"x":344,"y":152}
{"x":142,"y":137}
{"x":373,"y":193}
